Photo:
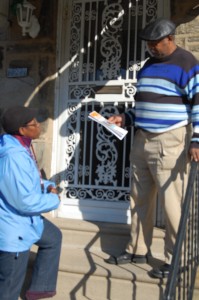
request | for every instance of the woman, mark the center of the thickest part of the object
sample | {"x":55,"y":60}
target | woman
{"x":24,"y":195}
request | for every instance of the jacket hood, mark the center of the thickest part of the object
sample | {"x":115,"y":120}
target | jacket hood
{"x":9,"y":144}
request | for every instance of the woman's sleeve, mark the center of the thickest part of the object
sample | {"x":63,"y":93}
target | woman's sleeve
{"x":21,"y":186}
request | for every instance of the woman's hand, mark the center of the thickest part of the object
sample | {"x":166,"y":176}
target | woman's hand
{"x":52,"y":189}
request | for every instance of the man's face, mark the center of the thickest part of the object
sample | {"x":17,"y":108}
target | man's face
{"x":160,"y":48}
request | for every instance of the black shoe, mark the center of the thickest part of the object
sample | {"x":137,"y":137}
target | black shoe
{"x":161,"y":272}
{"x":125,"y":258}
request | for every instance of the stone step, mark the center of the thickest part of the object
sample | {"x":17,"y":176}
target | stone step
{"x":108,"y":237}
{"x":83,"y":274}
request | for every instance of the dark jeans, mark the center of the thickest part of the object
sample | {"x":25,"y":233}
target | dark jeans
{"x":44,"y":278}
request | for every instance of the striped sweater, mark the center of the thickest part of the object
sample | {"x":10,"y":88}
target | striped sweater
{"x":167,"y":94}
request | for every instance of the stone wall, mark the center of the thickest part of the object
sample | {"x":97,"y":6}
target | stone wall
{"x":185,"y":14}
{"x":187,"y":36}
{"x":38,"y":55}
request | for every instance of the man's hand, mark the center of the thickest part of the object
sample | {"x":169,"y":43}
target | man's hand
{"x":119,"y":120}
{"x":194,"y":151}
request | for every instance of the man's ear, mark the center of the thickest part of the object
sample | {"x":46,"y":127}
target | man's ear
{"x":171,"y":37}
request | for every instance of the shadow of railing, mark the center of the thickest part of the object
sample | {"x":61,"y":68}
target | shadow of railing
{"x":181,"y":280}
{"x":95,"y":261}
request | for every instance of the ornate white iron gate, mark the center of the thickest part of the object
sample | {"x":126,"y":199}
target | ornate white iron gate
{"x":102,"y":57}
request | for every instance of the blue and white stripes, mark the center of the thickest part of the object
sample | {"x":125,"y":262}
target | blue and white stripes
{"x":167,"y":94}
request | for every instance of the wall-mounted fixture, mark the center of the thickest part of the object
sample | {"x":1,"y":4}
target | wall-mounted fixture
{"x":26,"y":19}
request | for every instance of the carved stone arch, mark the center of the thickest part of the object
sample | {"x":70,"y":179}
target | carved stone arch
{"x":184,"y":11}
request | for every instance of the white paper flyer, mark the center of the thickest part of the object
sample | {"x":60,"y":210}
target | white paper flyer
{"x":113,"y":128}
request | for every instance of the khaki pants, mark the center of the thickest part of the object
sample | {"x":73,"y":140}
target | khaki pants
{"x":160,"y":165}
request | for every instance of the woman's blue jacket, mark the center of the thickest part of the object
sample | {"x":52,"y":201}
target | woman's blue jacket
{"x":21,"y":197}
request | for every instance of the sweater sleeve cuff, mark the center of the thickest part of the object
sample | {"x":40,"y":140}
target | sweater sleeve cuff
{"x":129,"y":121}
{"x":195,"y":138}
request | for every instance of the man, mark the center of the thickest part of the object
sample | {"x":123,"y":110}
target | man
{"x":167,"y":101}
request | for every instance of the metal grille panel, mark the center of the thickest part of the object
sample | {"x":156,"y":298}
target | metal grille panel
{"x":105,"y":56}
